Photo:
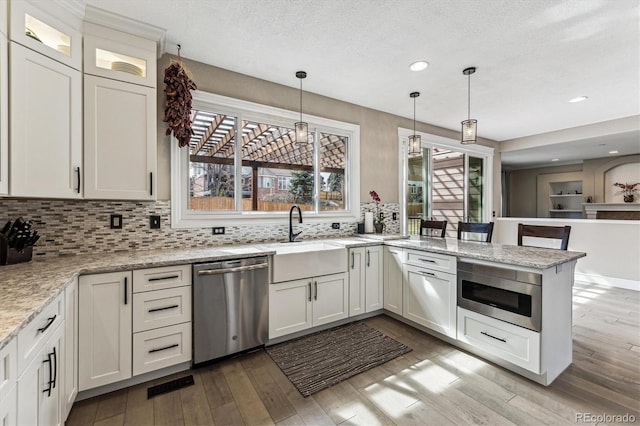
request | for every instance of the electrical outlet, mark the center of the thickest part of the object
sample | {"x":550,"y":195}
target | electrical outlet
{"x":335,"y":225}
{"x":116,"y":221}
{"x":218,"y":230}
{"x":381,"y":216}
{"x":394,"y":216}
{"x":154,"y":222}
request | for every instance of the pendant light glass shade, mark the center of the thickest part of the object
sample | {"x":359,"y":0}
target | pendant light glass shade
{"x":301,"y":127}
{"x":469,"y":126}
{"x":469,"y":131}
{"x":415,"y":142}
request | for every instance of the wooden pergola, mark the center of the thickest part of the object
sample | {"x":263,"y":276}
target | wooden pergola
{"x":263,"y":146}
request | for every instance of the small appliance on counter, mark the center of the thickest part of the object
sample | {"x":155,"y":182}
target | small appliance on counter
{"x":16,"y":242}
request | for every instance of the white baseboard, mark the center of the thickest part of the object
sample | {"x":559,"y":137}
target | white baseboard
{"x":608,"y":281}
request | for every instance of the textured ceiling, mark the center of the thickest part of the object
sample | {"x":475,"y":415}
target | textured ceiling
{"x":531,"y":56}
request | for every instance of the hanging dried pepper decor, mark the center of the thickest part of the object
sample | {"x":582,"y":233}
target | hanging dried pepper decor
{"x":177,"y":111}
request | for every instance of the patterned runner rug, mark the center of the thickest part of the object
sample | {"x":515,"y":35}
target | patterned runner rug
{"x":322,"y":359}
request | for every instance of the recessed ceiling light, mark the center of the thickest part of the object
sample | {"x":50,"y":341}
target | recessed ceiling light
{"x":555,"y":159}
{"x":579,"y":99}
{"x":419,"y":66}
{"x":613,"y":152}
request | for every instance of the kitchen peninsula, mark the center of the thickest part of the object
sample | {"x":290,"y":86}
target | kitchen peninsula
{"x":420,"y":277}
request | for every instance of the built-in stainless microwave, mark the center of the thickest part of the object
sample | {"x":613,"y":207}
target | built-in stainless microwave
{"x":506,"y":294}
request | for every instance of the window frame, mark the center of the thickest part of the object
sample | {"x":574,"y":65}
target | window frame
{"x":182,"y":217}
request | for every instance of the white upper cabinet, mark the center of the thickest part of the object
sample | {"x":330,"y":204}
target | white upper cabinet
{"x":119,"y":56}
{"x":46,"y":126}
{"x":120,"y":115}
{"x":47,"y":28}
{"x":120,"y":140}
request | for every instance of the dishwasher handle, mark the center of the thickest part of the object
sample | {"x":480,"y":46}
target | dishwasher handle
{"x":237,"y":269}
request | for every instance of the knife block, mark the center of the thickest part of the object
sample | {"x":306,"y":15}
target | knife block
{"x":10,"y":256}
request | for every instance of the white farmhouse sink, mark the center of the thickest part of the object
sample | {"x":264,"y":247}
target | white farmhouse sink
{"x":294,"y":261}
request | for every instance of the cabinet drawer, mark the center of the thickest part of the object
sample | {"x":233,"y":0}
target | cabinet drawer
{"x":161,"y":348}
{"x":8,"y":367}
{"x":160,"y":278}
{"x":435,"y":261}
{"x":160,"y":308}
{"x":517,"y":345}
{"x":33,"y":337}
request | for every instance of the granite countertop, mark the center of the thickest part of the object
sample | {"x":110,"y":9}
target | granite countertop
{"x":532,"y":257}
{"x":27,"y":288}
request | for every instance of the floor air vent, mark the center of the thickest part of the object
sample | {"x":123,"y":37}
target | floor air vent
{"x":176,"y":384}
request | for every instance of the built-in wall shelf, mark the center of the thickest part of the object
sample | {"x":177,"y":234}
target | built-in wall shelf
{"x":565,"y":199}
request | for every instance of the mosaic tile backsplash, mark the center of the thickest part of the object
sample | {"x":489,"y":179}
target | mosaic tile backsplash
{"x":82,"y":226}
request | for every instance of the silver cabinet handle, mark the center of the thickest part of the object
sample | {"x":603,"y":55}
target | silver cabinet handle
{"x":430,"y":274}
{"x":316,"y":285}
{"x":426,"y":260}
{"x":238,"y":269}
{"x":126,"y":290}
{"x":368,"y":258}
{"x":494,"y":337}
{"x":309,"y":291}
{"x":353,"y":260}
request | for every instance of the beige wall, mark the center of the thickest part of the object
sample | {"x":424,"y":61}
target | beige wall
{"x":523,"y":183}
{"x":378,"y":130}
{"x":523,"y":192}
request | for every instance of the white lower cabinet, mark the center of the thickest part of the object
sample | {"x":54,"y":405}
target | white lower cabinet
{"x":8,"y":379}
{"x":301,"y":304}
{"x":517,"y":345}
{"x":39,"y":385}
{"x":104,"y":329}
{"x":133,"y":322}
{"x":161,"y":347}
{"x":70,"y":350}
{"x":392,"y":283}
{"x":430,"y":299}
{"x":9,"y":408}
{"x":365,"y":279}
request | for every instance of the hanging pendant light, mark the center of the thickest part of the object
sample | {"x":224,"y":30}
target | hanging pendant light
{"x":302,"y":128}
{"x":469,"y":126}
{"x":414,"y":140}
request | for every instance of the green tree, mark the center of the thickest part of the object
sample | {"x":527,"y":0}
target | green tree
{"x":335,"y":182}
{"x":302,"y":187}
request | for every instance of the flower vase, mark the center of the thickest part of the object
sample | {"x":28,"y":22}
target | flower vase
{"x":379,"y":227}
{"x":628,"y":198}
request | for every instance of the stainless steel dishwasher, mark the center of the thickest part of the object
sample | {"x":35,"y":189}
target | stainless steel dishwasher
{"x":230,"y":307}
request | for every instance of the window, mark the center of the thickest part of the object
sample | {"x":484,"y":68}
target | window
{"x":243,"y":163}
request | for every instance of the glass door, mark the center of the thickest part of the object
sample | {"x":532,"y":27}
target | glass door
{"x":475,"y":188}
{"x":445,"y":183}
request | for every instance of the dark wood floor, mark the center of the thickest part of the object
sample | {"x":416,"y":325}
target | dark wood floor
{"x":435,"y":384}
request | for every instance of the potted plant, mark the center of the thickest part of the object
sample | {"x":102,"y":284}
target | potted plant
{"x":627,"y":190}
{"x":378,"y":220}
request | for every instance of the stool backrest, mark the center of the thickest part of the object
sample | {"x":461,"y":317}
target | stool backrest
{"x":433,"y":224}
{"x":557,"y":232}
{"x":476,"y":228}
